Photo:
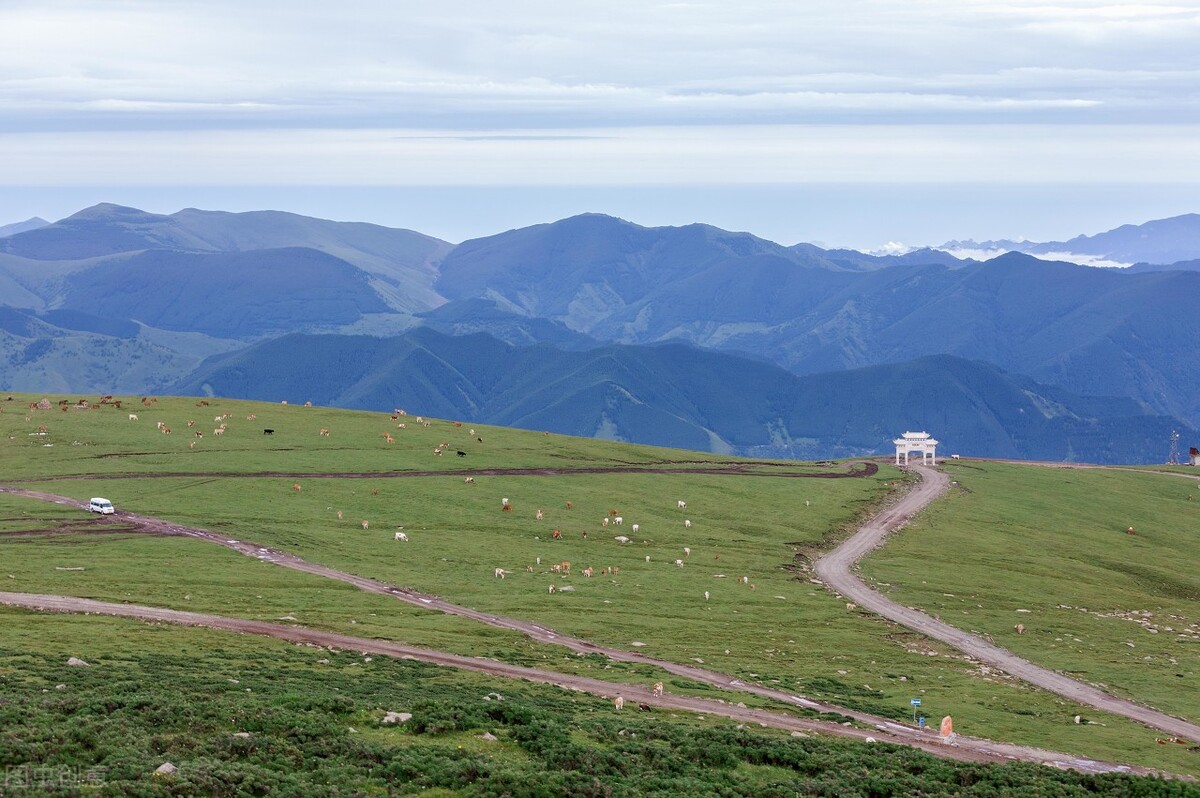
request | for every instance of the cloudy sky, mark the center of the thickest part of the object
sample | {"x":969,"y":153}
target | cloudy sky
{"x":855,"y":122}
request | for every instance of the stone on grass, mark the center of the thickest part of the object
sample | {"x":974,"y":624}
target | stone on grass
{"x":165,"y":769}
{"x":397,"y":717}
{"x":76,"y":661}
{"x":488,"y":736}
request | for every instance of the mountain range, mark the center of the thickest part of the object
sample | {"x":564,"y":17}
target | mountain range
{"x":562,"y":326}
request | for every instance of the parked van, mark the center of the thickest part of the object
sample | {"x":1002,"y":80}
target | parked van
{"x":99,"y":505}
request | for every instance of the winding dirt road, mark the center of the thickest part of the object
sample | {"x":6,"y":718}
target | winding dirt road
{"x":834,"y":570}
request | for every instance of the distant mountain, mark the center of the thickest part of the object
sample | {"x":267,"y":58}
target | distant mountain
{"x":674,"y":395}
{"x":1161,"y":241}
{"x":76,"y":352}
{"x":1181,"y":266}
{"x":32,"y":223}
{"x":400,"y":263}
{"x":1093,"y":331}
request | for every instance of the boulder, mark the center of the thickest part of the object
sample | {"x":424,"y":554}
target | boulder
{"x":77,"y":662}
{"x":165,"y":769}
{"x":397,"y":717}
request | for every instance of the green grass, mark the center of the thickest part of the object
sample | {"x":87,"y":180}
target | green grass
{"x":758,"y":526}
{"x":1110,"y":608}
{"x":312,"y":720}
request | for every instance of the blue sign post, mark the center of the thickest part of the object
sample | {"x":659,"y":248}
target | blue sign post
{"x":921,"y":721}
{"x":916,"y":702}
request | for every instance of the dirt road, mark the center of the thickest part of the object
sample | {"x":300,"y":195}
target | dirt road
{"x":834,"y":570}
{"x":964,"y":748}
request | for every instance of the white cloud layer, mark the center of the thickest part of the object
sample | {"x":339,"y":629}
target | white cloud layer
{"x":590,"y":93}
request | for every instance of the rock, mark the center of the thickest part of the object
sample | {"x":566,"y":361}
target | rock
{"x":871,"y":740}
{"x":243,"y":735}
{"x":799,"y":734}
{"x":77,"y":662}
{"x":397,"y":717}
{"x":60,"y":687}
{"x":165,"y":769}
{"x":491,"y":738}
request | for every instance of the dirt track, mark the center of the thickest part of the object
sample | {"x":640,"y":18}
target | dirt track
{"x":834,"y":570}
{"x":963,"y":749}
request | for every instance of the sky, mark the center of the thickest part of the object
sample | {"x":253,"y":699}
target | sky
{"x":857,"y":123}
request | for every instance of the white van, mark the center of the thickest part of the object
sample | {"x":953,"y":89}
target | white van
{"x":98,"y":505}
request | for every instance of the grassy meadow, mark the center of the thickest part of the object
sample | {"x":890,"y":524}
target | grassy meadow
{"x":785,"y":631}
{"x":1049,"y":548}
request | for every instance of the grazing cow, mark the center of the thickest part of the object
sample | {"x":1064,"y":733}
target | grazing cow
{"x":612,"y":513}
{"x":401,"y":536}
{"x":556,"y":568}
{"x":588,"y":572}
{"x":374,"y":491}
{"x":339,"y":515}
{"x":219,"y":431}
{"x":479,"y":439}
{"x":679,"y":563}
{"x":458,"y":423}
{"x":850,"y":605}
{"x":681,"y":504}
{"x":366,"y":525}
{"x":706,"y":595}
{"x":557,"y":534}
{"x":251,"y":417}
{"x":566,"y":568}
{"x":420,"y":420}
{"x":218,"y":419}
{"x":507,"y":508}
{"x":687,"y":524}
{"x":504,"y":502}
{"x":604,"y":520}
{"x":647,"y":558}
{"x":159,"y":424}
{"x":618,"y":520}
{"x":191,"y":423}
{"x":1020,"y":628}
{"x":324,"y":432}
{"x":133,"y":417}
{"x":616,"y":569}
{"x":585,"y":535}
{"x":745,"y":580}
{"x":296,"y":486}
{"x":636,"y":527}
{"x":619,"y":703}
{"x":402,"y":426}
{"x":460,"y":453}
{"x":469,"y":480}
{"x":191,"y":444}
{"x":166,"y":430}
{"x":687,"y":552}
{"x":658,"y":689}
{"x":268,"y":432}
{"x":570,"y":506}
{"x":500,"y":572}
{"x":539,"y":515}
{"x":308,"y":404}
{"x":387,"y":436}
{"x":202,"y":403}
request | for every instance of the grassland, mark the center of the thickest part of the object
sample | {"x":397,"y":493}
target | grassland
{"x":245,"y":716}
{"x":1049,"y":549}
{"x":786,"y":631}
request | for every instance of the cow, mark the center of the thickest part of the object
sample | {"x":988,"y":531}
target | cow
{"x":636,"y":527}
{"x":460,"y":453}
{"x":324,"y":433}
{"x":687,"y":552}
{"x":619,"y":703}
{"x":658,"y":689}
{"x":588,"y":572}
{"x":681,"y":504}
{"x":1020,"y":628}
{"x":133,"y":417}
{"x":539,"y":515}
{"x":604,"y":521}
{"x":618,"y":520}
{"x":296,"y":486}
{"x":500,"y":572}
{"x":268,"y":432}
{"x":401,"y":536}
{"x":556,"y":534}
{"x":687,"y":524}
{"x":219,"y":431}
{"x":366,"y":525}
{"x":679,"y":563}
{"x":469,"y":480}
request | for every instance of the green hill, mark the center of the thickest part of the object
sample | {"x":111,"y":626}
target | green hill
{"x":674,"y":395}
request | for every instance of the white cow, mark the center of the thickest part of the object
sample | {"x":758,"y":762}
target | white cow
{"x":687,"y":524}
{"x":500,"y":572}
{"x":636,"y":527}
{"x":681,"y":504}
{"x":401,"y":536}
{"x":618,"y":520}
{"x":133,"y":417}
